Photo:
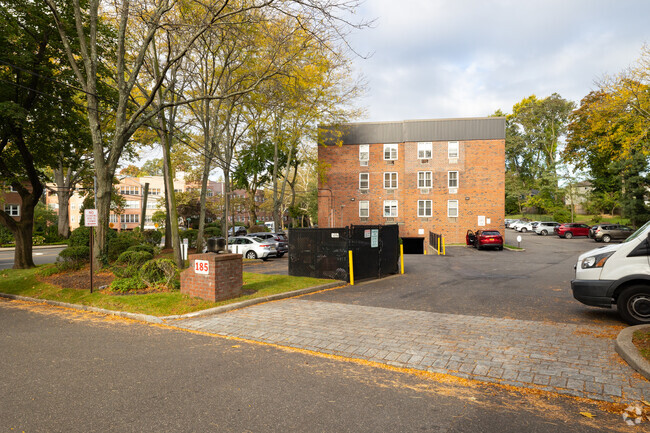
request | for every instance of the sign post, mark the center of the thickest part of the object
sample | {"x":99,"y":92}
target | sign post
{"x":91,"y":218}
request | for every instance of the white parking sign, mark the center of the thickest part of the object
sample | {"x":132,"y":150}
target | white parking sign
{"x":91,"y":217}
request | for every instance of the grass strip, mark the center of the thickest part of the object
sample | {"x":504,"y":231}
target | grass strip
{"x":641,"y":340}
{"x":26,"y":282}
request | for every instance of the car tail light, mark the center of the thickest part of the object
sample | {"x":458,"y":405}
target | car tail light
{"x":264,"y":246}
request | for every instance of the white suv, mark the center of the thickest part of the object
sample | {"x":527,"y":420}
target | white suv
{"x":546,"y":227}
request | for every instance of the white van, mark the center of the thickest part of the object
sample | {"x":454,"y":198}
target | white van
{"x":617,"y":274}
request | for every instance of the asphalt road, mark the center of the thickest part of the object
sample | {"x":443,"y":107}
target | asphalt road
{"x":530,"y":285}
{"x":67,"y":371}
{"x":40,"y":256}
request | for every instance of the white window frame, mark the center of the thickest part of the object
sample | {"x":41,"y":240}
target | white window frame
{"x":425,"y":150}
{"x":153,"y":204}
{"x":391,"y":148}
{"x":425,"y":211}
{"x":452,"y":206}
{"x":364,"y":205}
{"x":112,"y":218}
{"x":453,"y":149}
{"x":423,"y":182}
{"x":12,"y":209}
{"x":392,"y":206}
{"x":388,"y":176}
{"x":449,"y":179}
{"x":132,"y":204}
{"x":364,"y":152}
{"x":129,"y":190}
{"x":154,"y":191}
{"x":367,"y":181}
{"x":129,"y":218}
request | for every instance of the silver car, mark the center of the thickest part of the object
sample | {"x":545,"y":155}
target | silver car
{"x":546,"y":227}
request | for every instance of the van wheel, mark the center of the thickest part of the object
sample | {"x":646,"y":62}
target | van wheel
{"x":607,"y":238}
{"x":634,"y":305}
{"x":568,"y":235}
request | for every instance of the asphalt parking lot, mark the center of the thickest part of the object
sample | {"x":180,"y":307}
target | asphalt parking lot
{"x":529,"y":285}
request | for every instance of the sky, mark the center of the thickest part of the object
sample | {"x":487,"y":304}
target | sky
{"x":432,"y":59}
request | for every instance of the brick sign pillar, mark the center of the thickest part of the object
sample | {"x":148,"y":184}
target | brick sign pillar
{"x":213,"y":277}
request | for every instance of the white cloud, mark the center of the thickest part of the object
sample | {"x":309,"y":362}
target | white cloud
{"x":437,"y":59}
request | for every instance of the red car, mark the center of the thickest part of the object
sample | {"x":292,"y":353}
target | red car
{"x":484,"y":238}
{"x":569,"y":230}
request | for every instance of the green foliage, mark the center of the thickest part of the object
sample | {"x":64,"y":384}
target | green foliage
{"x":122,"y":242}
{"x":159,"y":272}
{"x":38,"y":240}
{"x":258,"y":229}
{"x":80,"y":237}
{"x":152,"y":237}
{"x":190,"y":235}
{"x":6,"y":236}
{"x":597,"y":218}
{"x":128,"y":263}
{"x":141,"y":247}
{"x":73,"y":257}
{"x":212,"y":232}
{"x":129,"y":284}
{"x":561,"y":213}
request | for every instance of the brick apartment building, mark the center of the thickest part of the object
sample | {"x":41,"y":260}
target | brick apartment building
{"x":444,"y":176}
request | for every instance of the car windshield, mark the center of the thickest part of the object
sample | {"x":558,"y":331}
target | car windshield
{"x":256,"y":239}
{"x":491,"y":233}
{"x":639,"y":232}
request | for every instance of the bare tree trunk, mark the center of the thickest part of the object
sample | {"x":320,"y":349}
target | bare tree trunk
{"x":64,"y":190}
{"x":171,"y":196}
{"x":204,"y":193}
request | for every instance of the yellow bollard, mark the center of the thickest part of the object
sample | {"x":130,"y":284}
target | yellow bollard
{"x":438,"y":248}
{"x":351,"y":268}
{"x":401,"y":255}
{"x":443,"y":246}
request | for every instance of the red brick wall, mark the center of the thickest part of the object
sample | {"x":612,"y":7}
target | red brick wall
{"x":481,"y":191}
{"x":224,"y":281}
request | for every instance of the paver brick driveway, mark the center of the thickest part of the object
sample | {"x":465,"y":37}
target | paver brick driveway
{"x":501,"y":317}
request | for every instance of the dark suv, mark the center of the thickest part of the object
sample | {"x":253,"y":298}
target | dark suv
{"x":607,"y":232}
{"x":569,"y":230}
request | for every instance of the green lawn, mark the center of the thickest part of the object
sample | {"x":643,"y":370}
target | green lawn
{"x":587,"y":219}
{"x":25,"y":282}
{"x":641,"y":340}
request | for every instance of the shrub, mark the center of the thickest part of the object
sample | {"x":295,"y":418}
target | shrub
{"x":258,"y":229}
{"x":152,"y":237}
{"x":159,"y":271}
{"x":212,"y":232}
{"x":121,"y":243}
{"x":561,"y":214}
{"x":38,"y":240}
{"x":134,"y":257}
{"x":142,"y":247}
{"x":597,"y":218}
{"x":190,"y":235}
{"x":80,"y":237}
{"x":73,"y":257}
{"x":127,"y":285}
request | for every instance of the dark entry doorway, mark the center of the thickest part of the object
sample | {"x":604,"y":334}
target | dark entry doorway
{"x":413,"y":245}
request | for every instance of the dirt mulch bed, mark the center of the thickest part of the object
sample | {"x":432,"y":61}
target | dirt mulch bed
{"x":79,"y":279}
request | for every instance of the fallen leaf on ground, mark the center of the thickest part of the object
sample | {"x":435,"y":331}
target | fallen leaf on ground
{"x":588,"y":414}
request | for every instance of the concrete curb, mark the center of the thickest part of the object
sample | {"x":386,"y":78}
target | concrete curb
{"x":35,"y":247}
{"x":630,"y":353}
{"x":164,"y":319}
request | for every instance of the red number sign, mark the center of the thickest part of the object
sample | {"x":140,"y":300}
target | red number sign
{"x":201,"y":266}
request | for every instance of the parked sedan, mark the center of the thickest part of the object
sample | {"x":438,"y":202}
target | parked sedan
{"x":607,"y":232}
{"x":517,"y":225}
{"x":528,"y":227}
{"x":569,"y":230}
{"x":484,"y":238}
{"x":281,"y":242}
{"x":251,"y":247}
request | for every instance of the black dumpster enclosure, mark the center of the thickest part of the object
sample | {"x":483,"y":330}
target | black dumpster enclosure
{"x":324,"y":252}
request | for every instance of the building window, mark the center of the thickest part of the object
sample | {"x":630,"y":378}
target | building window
{"x":210,"y":193}
{"x":424,"y":179}
{"x":154,"y":191}
{"x":153,"y":204}
{"x":147,"y":219}
{"x":452,"y":149}
{"x":10,"y":188}
{"x":130,"y":218}
{"x":132,"y":204}
{"x":425,"y":150}
{"x":364,"y":209}
{"x":364,"y":152}
{"x":364,"y":180}
{"x":53,"y":206}
{"x":424,"y":208}
{"x":178,"y":190}
{"x":129,"y":190}
{"x":73,"y":206}
{"x":452,"y":208}
{"x":390,"y":208}
{"x":112,"y":218}
{"x":390,"y":180}
{"x":452,"y":177}
{"x":12,"y":209}
{"x":72,"y":218}
{"x":390,"y":152}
